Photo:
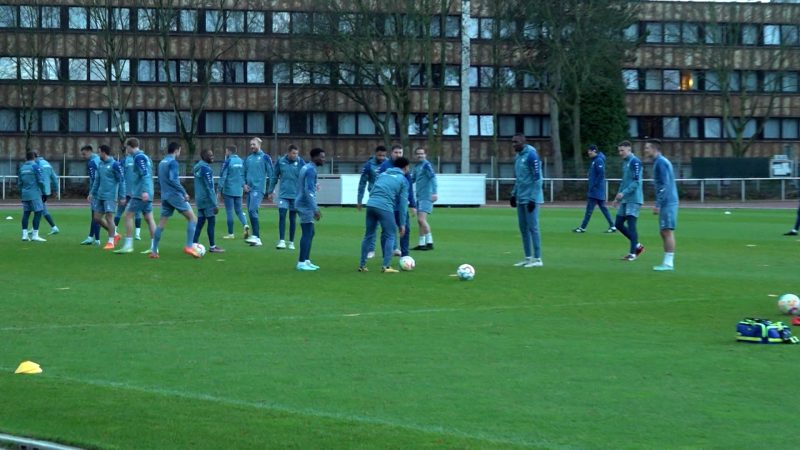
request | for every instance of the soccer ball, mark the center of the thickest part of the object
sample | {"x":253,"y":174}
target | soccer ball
{"x":407,"y":263}
{"x":789,"y":304}
{"x":465,"y":272}
{"x":200,"y":249}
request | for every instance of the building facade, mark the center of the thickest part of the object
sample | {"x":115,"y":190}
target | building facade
{"x":710,"y":79}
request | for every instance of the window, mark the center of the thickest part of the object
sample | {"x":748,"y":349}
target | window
{"x":145,"y":122}
{"x":234,"y":72}
{"x":120,"y":120}
{"x":167,"y":72}
{"x":8,"y":120}
{"x":121,"y":18}
{"x":256,"y":72}
{"x":78,"y":69}
{"x":672,"y":32}
{"x":630,"y":33}
{"x":691,"y":33}
{"x":8,"y":19}
{"x":691,"y":128}
{"x":97,"y":70}
{"x":50,"y":120}
{"x":146,"y":70}
{"x":713,"y":33}
{"x":671,"y":127}
{"x":187,"y":71}
{"x":772,"y":35}
{"x":317,"y":123}
{"x":650,"y":127}
{"x":789,"y":129}
{"x":472,"y":77}
{"x":711,"y":81}
{"x":530,"y":81}
{"x":28,"y":68}
{"x":472,"y":27}
{"x":234,"y":122}
{"x":654,"y":32}
{"x":365,"y":124}
{"x":631,"y":79}
{"x":214,"y":21}
{"x":8,"y":68}
{"x":486,"y":27}
{"x":347,"y":74}
{"x":28,"y":17}
{"x":214,"y":122}
{"x":652,"y":80}
{"x":633,"y":127}
{"x":486,"y":76}
{"x":255,"y":122}
{"x":507,"y":77}
{"x":98,"y":121}
{"x":688,"y":80}
{"x":347,"y":123}
{"x":772,"y":81}
{"x":789,"y":35}
{"x":167,"y":122}
{"x":280,"y":73}
{"x":76,"y":121}
{"x":772,"y":129}
{"x":452,"y":74}
{"x":789,"y":82}
{"x":450,"y":125}
{"x":78,"y":18}
{"x":187,"y":20}
{"x":749,"y":34}
{"x":29,"y":125}
{"x":146,"y":19}
{"x":532,"y":126}
{"x":320,"y":74}
{"x":507,"y":125}
{"x":750,"y":81}
{"x":234,"y":22}
{"x":506,"y":29}
{"x":281,"y":123}
{"x":712,"y":127}
{"x":121,"y":70}
{"x":300,"y":23}
{"x":255,"y":22}
{"x":300,"y":74}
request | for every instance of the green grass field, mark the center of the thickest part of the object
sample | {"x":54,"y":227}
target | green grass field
{"x":242,"y":351}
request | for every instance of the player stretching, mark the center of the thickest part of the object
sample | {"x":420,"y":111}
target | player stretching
{"x":31,"y":184}
{"x":307,"y":208}
{"x":426,"y":188}
{"x":387,"y":204}
{"x":92,"y":161}
{"x":630,"y":199}
{"x":597,"y":190}
{"x":50,"y":187}
{"x":257,"y":169}
{"x":231,"y":186}
{"x":108,"y":186}
{"x":666,"y":206}
{"x":141,"y":194}
{"x":287,"y":169}
{"x":206,"y":198}
{"x":526,"y":196}
{"x":173,"y":196}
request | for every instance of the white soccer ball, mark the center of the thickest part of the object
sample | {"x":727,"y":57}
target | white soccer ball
{"x":200,"y":249}
{"x":465,"y":272}
{"x":789,"y":304}
{"x":407,"y":263}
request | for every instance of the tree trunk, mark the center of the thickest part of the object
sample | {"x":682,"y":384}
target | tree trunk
{"x":555,"y":139}
{"x":577,"y":146}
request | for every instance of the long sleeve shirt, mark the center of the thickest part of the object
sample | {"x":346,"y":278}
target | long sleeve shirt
{"x":49,"y":175}
{"x":424,"y":179}
{"x":204,"y":193}
{"x":664,"y":180}
{"x":287,"y":172}
{"x":30,"y":181}
{"x":110,"y":181}
{"x":389,"y":164}
{"x":390,"y":193}
{"x":369,"y":173}
{"x":257,"y":171}
{"x":528,"y":173}
{"x":142,"y":176}
{"x":231,"y":179}
{"x":631,"y":185}
{"x":597,"y":177}
{"x":306,"y":187}
{"x":168,"y":178}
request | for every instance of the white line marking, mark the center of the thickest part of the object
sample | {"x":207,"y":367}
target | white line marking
{"x":337,"y":315}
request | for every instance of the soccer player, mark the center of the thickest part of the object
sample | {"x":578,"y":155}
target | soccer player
{"x":526,"y":196}
{"x":629,"y":199}
{"x":141,"y":201}
{"x":50,"y":186}
{"x":597,"y":190}
{"x":92,"y":161}
{"x":307,"y":208}
{"x":426,"y":187}
{"x":397,"y":152}
{"x":369,"y":173}
{"x":287,"y":169}
{"x":173,"y":197}
{"x":666,"y":206}
{"x":231,"y":182}
{"x":257,"y":170}
{"x":388,"y":202}
{"x":31,"y":184}
{"x":129,"y":168}
{"x":108,"y":186}
{"x":206,"y":198}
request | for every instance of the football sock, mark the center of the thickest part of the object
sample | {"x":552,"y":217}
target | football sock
{"x":669,"y":259}
{"x":201,"y":221}
{"x":429,"y":238}
{"x":190,"y":227}
{"x":212,"y":225}
{"x":156,"y":239}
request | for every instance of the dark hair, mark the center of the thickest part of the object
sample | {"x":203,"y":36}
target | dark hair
{"x":105,"y":149}
{"x":173,"y":146}
{"x":401,"y":162}
{"x":132,"y":142}
{"x":397,"y":146}
{"x":293,"y":147}
{"x":87,"y":147}
{"x":316,"y":151}
{"x":231,"y":148}
{"x":30,"y":155}
{"x":380,"y":148}
{"x":655,"y":143}
{"x":625,"y":144}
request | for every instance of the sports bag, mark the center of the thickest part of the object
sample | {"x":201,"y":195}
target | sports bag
{"x":762,"y":331}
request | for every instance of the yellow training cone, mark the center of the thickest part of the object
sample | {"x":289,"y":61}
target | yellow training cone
{"x":28,"y":368}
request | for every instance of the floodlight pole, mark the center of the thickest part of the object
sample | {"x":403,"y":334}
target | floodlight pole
{"x":465,"y":62}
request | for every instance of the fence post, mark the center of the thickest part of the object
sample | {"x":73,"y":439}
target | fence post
{"x":552,"y":194}
{"x":743,"y":191}
{"x":497,"y":189}
{"x":4,"y":188}
{"x":702,"y":191}
{"x":783,"y":189}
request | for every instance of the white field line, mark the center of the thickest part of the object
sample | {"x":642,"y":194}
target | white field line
{"x":314,"y":412}
{"x":158,"y":323}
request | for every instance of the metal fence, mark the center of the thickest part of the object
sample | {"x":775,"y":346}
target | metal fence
{"x":555,"y":189}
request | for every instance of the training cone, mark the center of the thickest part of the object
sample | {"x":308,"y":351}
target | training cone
{"x":28,"y":368}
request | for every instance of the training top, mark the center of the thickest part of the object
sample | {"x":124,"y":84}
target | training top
{"x":142,"y":176}
{"x":287,"y":171}
{"x":631,"y":185}
{"x":30,"y":181}
{"x":49,"y":175}
{"x":91,"y":168}
{"x":109,"y":184}
{"x":390,"y":193}
{"x":204,"y":194}
{"x":168,"y":178}
{"x":306,"y":187}
{"x":528,"y":171}
{"x":597,"y":177}
{"x":664,"y":179}
{"x":424,"y":180}
{"x":389,"y":164}
{"x":257,"y":169}
{"x":231,"y":179}
{"x":369,"y":173}
{"x":128,"y":168}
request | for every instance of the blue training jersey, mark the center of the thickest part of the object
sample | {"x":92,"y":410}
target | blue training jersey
{"x":205,"y":194}
{"x":664,"y":180}
{"x":142,"y":176}
{"x":424,"y":181}
{"x":389,"y":164}
{"x":109,"y":183}
{"x":597,"y":177}
{"x":369,"y":173}
{"x":257,"y":170}
{"x":168,"y":178}
{"x":288,"y":172}
{"x":631,"y":185}
{"x":528,"y":173}
{"x":30,"y":181}
{"x":306,"y":186}
{"x":49,"y":175}
{"x":91,"y":168}
{"x":231,"y":179}
{"x":390,"y":193}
